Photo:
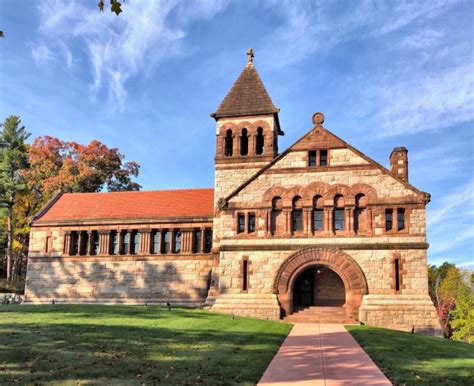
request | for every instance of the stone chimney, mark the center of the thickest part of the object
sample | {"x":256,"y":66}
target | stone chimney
{"x":399,"y":162}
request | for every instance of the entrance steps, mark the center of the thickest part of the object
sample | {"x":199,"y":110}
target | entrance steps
{"x":262,"y":306}
{"x":317,"y":314}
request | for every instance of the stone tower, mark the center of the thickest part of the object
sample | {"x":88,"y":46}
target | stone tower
{"x":247,"y":130}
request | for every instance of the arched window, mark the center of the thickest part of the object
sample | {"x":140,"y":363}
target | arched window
{"x":338,"y":215}
{"x":297,"y":214}
{"x":360,"y":217}
{"x":276,"y":221}
{"x":244,"y":143}
{"x":228,"y":143}
{"x":260,"y":144}
{"x":318,"y":224}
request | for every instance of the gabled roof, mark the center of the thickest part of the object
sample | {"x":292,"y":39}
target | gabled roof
{"x":247,"y":96}
{"x":329,"y":140}
{"x":128,"y":205}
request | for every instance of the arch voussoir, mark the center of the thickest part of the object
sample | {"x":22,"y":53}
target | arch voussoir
{"x":344,"y":265}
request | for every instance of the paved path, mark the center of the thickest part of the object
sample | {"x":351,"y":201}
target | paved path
{"x":321,"y":354}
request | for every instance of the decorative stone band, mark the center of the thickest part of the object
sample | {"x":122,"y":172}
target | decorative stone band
{"x":113,"y":258}
{"x":349,"y":246}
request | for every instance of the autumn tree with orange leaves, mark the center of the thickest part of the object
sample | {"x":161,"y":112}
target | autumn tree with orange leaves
{"x":55,"y":165}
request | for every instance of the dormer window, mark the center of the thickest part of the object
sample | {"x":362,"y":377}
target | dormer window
{"x":312,"y":158}
{"x":323,"y":158}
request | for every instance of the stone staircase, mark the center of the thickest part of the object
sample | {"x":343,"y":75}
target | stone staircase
{"x":261,"y":306}
{"x":317,"y":314}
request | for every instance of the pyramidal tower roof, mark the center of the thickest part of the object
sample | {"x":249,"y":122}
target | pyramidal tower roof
{"x":247,"y":96}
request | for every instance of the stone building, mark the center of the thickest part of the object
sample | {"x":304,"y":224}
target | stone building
{"x":318,"y":231}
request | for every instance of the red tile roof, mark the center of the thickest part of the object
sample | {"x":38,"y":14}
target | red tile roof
{"x":130,"y":205}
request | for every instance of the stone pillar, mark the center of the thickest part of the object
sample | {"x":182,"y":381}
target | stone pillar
{"x":104,"y":242}
{"x":145,"y":241}
{"x":328,"y":223}
{"x":287,"y":215}
{"x":67,"y":243}
{"x":307,"y":228}
{"x":90,"y":243}
{"x":203,"y":239}
{"x":349,"y":220}
{"x":187,"y":241}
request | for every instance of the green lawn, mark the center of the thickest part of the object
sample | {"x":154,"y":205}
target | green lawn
{"x":409,"y":359}
{"x":132,"y":345}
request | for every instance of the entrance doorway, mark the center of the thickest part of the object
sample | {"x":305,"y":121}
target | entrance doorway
{"x":318,"y":286}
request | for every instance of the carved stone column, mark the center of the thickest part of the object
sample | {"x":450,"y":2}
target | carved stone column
{"x":187,"y":241}
{"x":145,"y":241}
{"x":67,"y":243}
{"x":328,"y":222}
{"x":287,"y":216}
{"x":307,"y":228}
{"x":104,"y":242}
{"x":349,"y":220}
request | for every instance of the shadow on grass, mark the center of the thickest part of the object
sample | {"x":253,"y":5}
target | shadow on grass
{"x":206,"y":348}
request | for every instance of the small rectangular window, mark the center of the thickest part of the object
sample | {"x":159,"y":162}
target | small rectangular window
{"x":114,"y":243}
{"x":397,"y":274}
{"x":388,"y":219}
{"x":125,"y":243}
{"x":208,"y":241}
{"x":240,"y":223}
{"x":177,"y":241}
{"x":95,"y":243}
{"x":197,"y":241}
{"x":312,"y":158}
{"x":74,"y":249}
{"x":135,"y":242}
{"x":338,"y":219}
{"x":245,"y":272}
{"x":251,"y":223}
{"x":317,"y":219}
{"x":83,"y":243}
{"x":400,"y":219}
{"x":166,"y":241}
{"x":155,"y":242}
{"x":297,"y":219}
{"x":47,"y":246}
{"x":323,"y":158}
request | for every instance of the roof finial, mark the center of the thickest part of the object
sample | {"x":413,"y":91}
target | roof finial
{"x":250,"y":56}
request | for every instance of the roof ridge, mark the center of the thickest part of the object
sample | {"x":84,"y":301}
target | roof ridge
{"x":141,"y":191}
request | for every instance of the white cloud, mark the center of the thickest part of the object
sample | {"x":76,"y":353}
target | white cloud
{"x":451,"y":222}
{"x":41,"y":53}
{"x":119,"y":47}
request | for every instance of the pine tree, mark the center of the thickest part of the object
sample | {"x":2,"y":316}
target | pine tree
{"x":13,"y":158}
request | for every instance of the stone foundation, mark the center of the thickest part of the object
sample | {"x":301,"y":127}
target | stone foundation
{"x":400,"y":312}
{"x":261,"y":306}
{"x":111,"y":280}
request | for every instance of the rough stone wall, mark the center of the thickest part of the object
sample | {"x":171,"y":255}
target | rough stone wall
{"x":118,"y":280}
{"x":181,"y":278}
{"x":328,"y":288}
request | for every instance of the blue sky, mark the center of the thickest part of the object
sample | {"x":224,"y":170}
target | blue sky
{"x":385,"y":74}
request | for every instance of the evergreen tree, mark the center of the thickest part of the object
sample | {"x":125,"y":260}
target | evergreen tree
{"x":13,"y":159}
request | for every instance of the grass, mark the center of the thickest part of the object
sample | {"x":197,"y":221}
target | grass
{"x":409,"y":359}
{"x":97,"y":344}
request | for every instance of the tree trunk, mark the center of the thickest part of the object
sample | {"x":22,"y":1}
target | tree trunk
{"x":10,"y":238}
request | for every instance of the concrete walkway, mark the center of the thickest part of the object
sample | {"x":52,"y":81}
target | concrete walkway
{"x":322,"y":354}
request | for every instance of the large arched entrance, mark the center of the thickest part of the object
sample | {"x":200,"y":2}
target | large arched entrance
{"x":318,"y":286}
{"x":340,"y":279}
